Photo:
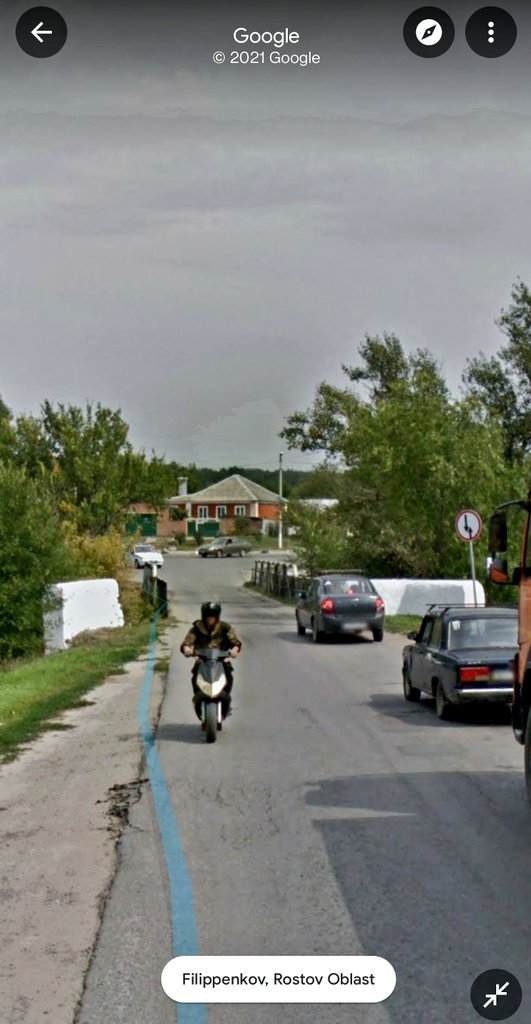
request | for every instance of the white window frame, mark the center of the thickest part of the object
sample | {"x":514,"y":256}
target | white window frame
{"x":240,"y":510}
{"x":221,"y":511}
{"x":202,"y":512}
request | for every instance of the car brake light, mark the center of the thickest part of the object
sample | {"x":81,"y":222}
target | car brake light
{"x":476,"y":674}
{"x":379,"y":604}
{"x":327,"y":605}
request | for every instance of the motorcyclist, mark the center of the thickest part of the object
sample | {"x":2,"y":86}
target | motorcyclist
{"x":207,"y":632}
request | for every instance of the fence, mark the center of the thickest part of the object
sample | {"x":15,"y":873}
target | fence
{"x":155,"y":591}
{"x":278,"y":578}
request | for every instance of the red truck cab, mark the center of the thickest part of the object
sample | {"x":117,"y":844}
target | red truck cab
{"x":501,"y":572}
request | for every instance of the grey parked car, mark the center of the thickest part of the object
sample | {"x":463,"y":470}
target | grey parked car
{"x":225,"y":547}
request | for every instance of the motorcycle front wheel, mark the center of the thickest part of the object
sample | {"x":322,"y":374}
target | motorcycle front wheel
{"x":211,"y":722}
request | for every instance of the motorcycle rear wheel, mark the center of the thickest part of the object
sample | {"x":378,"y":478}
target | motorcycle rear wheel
{"x":211,"y":721}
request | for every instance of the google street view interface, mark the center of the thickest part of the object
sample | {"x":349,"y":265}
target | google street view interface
{"x":266,"y":345}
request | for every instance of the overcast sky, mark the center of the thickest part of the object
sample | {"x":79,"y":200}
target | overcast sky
{"x":200,"y":245}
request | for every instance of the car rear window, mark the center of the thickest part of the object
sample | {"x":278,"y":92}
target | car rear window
{"x":482,"y":632}
{"x":347,"y":586}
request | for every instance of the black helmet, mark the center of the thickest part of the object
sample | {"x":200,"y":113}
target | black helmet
{"x":210,"y":608}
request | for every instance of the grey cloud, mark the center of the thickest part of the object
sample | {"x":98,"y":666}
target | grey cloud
{"x":204,"y":270}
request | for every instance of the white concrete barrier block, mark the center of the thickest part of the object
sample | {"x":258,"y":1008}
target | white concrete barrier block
{"x":413,"y":597}
{"x":78,"y":606}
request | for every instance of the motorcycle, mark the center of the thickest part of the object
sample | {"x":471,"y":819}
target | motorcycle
{"x":211,"y":698}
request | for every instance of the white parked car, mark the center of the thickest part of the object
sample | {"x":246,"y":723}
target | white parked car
{"x":145,"y":554}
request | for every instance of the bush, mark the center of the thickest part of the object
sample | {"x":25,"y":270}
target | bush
{"x":244,"y":526}
{"x":105,"y":557}
{"x":33,"y":555}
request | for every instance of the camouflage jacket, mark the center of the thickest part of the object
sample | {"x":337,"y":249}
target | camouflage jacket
{"x":223,"y":636}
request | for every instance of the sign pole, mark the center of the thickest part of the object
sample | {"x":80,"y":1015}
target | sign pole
{"x":473,"y":571}
{"x":468,"y":526}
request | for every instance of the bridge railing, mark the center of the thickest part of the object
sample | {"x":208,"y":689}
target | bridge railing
{"x":278,"y":578}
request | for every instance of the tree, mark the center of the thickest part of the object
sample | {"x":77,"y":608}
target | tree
{"x":410,"y":458}
{"x":503,"y":382}
{"x":88,"y":463}
{"x":33,"y":556}
{"x":149,"y":479}
{"x":321,"y":538}
{"x":384,"y":364}
{"x":323,"y":482}
{"x":6,"y":433}
{"x":384,"y":368}
{"x":89,"y":454}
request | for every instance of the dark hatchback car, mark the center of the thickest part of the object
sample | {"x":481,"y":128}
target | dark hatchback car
{"x":341,"y":603}
{"x":461,"y":654}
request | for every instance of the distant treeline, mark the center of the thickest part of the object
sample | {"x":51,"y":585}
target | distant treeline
{"x":198,"y":477}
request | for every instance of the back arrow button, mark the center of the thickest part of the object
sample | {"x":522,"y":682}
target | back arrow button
{"x":41,"y":32}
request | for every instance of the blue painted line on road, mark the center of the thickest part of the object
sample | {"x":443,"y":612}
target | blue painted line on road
{"x":184,"y":930}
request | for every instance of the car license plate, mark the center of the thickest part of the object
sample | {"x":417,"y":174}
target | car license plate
{"x":501,"y":675}
{"x":354,"y":627}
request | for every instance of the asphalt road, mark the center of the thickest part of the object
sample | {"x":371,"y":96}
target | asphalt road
{"x":330,"y":818}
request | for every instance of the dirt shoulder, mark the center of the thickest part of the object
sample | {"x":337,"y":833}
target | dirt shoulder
{"x":58,"y":843}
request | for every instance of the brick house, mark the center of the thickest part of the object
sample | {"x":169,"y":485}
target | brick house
{"x":216,"y":509}
{"x":150,"y":523}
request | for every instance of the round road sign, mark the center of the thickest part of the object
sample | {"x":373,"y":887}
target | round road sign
{"x":468,"y":525}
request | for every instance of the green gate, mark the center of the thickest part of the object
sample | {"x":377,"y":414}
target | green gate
{"x":147,"y":524}
{"x":206,"y":527}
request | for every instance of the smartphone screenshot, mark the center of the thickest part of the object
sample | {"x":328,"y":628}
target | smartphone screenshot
{"x":265,"y":523}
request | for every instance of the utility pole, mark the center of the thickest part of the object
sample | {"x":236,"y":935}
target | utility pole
{"x":280,"y":509}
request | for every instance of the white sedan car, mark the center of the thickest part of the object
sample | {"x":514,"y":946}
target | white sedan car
{"x":145,"y":554}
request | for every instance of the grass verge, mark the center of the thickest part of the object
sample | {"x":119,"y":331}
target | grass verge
{"x":402,"y":624}
{"x":265,"y":543}
{"x":32,"y":694}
